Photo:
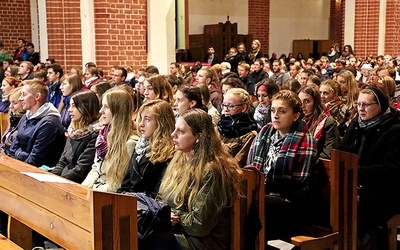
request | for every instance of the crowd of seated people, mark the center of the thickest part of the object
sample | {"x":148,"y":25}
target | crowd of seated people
{"x":180,"y":137}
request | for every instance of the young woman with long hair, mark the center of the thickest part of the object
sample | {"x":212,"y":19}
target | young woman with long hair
{"x":16,"y":112}
{"x":331,"y":92}
{"x":9,"y":83}
{"x":70,"y":83}
{"x":200,"y":184}
{"x":115,"y":143}
{"x":187,"y":97}
{"x":322,"y":127}
{"x":157,"y":87}
{"x":79,"y":151}
{"x":154,"y":149}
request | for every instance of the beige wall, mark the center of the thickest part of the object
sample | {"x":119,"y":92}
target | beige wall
{"x":295,"y":20}
{"x":215,"y":11}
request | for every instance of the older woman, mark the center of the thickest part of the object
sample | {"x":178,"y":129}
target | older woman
{"x":375,"y":136}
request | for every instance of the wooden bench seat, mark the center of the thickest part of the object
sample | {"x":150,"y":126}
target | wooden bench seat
{"x":6,"y":243}
{"x":68,"y":214}
{"x":343,"y":206}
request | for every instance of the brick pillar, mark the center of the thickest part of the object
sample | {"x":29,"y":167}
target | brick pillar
{"x":367,"y":28}
{"x":392,"y":40}
{"x":259,"y":22}
{"x":336,"y":21}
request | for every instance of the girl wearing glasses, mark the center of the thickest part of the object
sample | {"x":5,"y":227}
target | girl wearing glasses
{"x":287,"y":153}
{"x":374,"y":136}
{"x":236,"y":126}
{"x":322,"y":127}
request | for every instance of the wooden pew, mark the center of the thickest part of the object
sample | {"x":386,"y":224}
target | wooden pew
{"x":6,"y":243}
{"x":5,"y":119}
{"x":68,"y":214}
{"x":392,"y":225}
{"x":253,"y":190}
{"x":343,"y":206}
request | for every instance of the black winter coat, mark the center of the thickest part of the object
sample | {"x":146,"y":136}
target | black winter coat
{"x":144,"y":176}
{"x":378,"y":153}
{"x":78,"y":157}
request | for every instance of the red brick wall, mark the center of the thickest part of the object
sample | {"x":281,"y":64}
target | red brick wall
{"x":121,"y":33}
{"x":366,"y":28}
{"x":64,"y":33}
{"x":15,"y":22}
{"x":392,"y":39}
{"x":259,"y":22}
{"x":336,"y":21}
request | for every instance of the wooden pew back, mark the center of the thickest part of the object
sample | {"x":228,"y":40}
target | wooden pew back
{"x":69,"y":214}
{"x":343,"y":206}
{"x":253,"y":190}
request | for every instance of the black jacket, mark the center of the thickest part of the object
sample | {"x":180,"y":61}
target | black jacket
{"x":378,"y":169}
{"x":143,"y":176}
{"x":77,"y":159}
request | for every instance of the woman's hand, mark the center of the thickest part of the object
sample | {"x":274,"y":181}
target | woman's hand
{"x":175,"y":219}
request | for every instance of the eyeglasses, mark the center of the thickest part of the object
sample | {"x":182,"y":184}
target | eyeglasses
{"x":230,"y":107}
{"x":365,"y":105}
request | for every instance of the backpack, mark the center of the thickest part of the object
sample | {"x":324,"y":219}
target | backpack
{"x":154,"y":223}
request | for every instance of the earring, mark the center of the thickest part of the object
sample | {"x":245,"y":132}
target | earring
{"x":197,"y":140}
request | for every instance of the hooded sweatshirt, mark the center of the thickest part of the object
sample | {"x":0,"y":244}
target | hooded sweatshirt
{"x":40,"y":140}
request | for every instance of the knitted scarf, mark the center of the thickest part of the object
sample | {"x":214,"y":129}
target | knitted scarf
{"x":77,"y":134}
{"x":374,"y":121}
{"x":141,"y":148}
{"x":260,"y":114}
{"x":232,"y":126}
{"x":101,"y":142}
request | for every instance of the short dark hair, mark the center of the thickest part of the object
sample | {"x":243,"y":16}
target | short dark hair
{"x":52,"y":60}
{"x":30,"y":45}
{"x":123,"y":70}
{"x":57,"y":69}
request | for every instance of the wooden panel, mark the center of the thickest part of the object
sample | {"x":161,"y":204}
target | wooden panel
{"x":6,"y":243}
{"x":124,"y":214}
{"x":73,"y":198}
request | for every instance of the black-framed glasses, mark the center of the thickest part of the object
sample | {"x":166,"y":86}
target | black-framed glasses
{"x":364,"y":104}
{"x":230,"y":107}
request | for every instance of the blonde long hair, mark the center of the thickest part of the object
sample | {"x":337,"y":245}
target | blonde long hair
{"x":117,"y":157}
{"x":351,"y":87}
{"x":183,"y":178}
{"x":161,"y":144}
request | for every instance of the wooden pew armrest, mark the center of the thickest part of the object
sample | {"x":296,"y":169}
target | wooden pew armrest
{"x":316,"y":243}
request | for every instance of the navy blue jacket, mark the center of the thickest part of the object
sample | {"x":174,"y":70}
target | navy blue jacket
{"x":40,"y":140}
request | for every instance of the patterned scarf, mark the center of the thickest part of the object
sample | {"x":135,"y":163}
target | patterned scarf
{"x":101,"y":142}
{"x":260,"y":113}
{"x":296,"y":156}
{"x":141,"y":148}
{"x":77,"y":134}
{"x":233,"y":126}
